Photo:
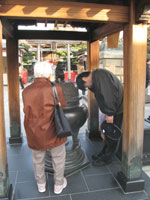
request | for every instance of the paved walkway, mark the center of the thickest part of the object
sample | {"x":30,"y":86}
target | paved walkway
{"x":91,"y":183}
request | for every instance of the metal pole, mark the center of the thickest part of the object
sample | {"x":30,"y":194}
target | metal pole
{"x":38,"y":56}
{"x":68,"y":61}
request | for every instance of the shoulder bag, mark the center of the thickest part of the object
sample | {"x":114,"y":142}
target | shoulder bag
{"x":63,"y":128}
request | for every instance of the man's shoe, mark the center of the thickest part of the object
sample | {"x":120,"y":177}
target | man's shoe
{"x":107,"y":160}
{"x":97,"y":156}
{"x":98,"y":163}
{"x":41,"y":187}
{"x":59,"y":188}
{"x":103,"y":160}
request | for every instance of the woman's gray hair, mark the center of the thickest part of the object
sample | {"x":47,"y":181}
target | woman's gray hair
{"x":42,"y":69}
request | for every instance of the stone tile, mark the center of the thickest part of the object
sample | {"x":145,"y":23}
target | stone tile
{"x":100,"y":182}
{"x":13,"y":163}
{"x":65,"y":197}
{"x":92,"y":170}
{"x":25,"y":163}
{"x":29,"y":190}
{"x":12,"y":178}
{"x":20,"y":163}
{"x":91,"y":147}
{"x":148,"y":173}
{"x":114,"y":168}
{"x":115,"y":194}
{"x":26,"y":151}
{"x":13,"y":150}
{"x":147,"y":183}
{"x":75,"y":184}
{"x":25,"y":176}
{"x":146,"y":168}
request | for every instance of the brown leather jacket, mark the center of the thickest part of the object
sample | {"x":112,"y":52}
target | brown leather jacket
{"x":39,"y":112}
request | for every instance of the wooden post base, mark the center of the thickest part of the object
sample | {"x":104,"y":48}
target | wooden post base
{"x":15,"y":140}
{"x":9,"y":194}
{"x":130,"y":185}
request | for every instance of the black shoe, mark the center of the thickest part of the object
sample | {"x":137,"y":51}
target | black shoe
{"x":107,"y":160}
{"x":103,"y":160}
{"x":97,"y":156}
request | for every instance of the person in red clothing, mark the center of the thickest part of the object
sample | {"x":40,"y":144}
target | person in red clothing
{"x":20,"y":75}
{"x":40,"y":128}
{"x":148,"y":78}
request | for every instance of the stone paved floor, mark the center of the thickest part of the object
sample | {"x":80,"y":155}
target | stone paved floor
{"x":91,"y":183}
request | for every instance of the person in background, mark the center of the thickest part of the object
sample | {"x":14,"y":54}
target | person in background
{"x":59,"y":73}
{"x":40,"y":128}
{"x":80,"y":66}
{"x":108,"y":91}
{"x":20,"y":75}
{"x":80,"y":69}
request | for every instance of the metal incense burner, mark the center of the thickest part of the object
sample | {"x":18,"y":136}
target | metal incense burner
{"x":77,"y":114}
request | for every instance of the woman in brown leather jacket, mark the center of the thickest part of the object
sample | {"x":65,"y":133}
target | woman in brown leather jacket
{"x":40,"y":127}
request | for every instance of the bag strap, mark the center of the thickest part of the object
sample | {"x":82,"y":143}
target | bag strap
{"x":55,"y":95}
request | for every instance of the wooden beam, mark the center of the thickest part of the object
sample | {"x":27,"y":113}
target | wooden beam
{"x":106,"y":30}
{"x":8,"y":29}
{"x":63,"y":10}
{"x":57,"y":35}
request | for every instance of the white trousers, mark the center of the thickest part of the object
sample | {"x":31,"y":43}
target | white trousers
{"x":58,"y":155}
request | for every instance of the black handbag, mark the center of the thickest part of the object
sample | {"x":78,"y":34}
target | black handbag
{"x":62,"y":125}
{"x":111,"y":131}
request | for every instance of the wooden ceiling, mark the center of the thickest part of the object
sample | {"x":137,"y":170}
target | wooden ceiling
{"x":99,"y":17}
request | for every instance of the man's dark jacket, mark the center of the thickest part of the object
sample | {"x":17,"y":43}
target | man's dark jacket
{"x":108,"y":92}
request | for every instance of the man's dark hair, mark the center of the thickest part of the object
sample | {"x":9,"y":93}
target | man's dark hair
{"x":80,"y":82}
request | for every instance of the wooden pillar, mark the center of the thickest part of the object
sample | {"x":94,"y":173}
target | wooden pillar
{"x":135,"y":44}
{"x":93,"y":63}
{"x":13,"y":90}
{"x":5,"y":190}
